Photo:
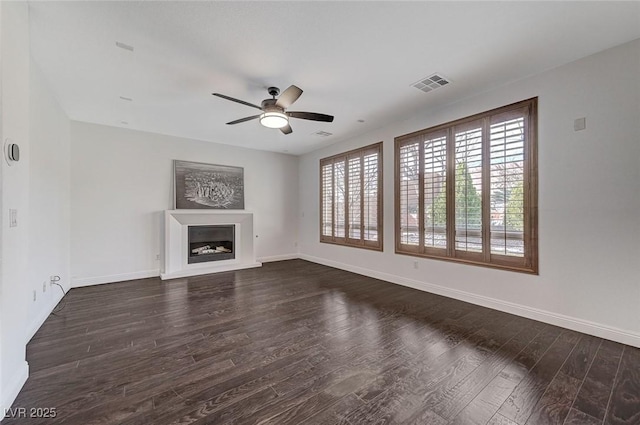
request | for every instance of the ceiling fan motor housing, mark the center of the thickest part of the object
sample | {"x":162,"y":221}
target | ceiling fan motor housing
{"x":269,"y":105}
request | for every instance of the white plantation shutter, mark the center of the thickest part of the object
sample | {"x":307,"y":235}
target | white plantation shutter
{"x":326,"y":190}
{"x":370,"y":198}
{"x":435,"y":173}
{"x":351,"y":198}
{"x":355,"y":197}
{"x":468,"y":187}
{"x":507,"y":139}
{"x":339,"y":199}
{"x":467,"y":191}
{"x":409,"y":170}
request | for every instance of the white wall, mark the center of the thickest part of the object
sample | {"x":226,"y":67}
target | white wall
{"x":589,"y":199}
{"x":14,"y":51}
{"x":38,"y":187}
{"x":121,"y":181}
{"x":3,"y":400}
{"x":49,"y":197}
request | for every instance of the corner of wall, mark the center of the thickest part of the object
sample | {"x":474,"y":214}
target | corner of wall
{"x":15,"y":185}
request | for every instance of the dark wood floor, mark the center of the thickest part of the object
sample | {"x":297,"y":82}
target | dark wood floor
{"x":299,"y":343}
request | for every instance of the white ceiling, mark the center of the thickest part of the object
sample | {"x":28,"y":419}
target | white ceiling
{"x":354,"y":60}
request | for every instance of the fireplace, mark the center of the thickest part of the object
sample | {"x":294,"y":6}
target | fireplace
{"x":211,"y":243}
{"x":178,"y":260}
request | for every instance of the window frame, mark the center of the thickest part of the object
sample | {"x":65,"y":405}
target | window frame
{"x":346,"y":240}
{"x":528,"y":263}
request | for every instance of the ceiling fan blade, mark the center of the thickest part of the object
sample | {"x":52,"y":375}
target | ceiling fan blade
{"x":243,"y":119}
{"x":311,"y":116}
{"x":288,"y":96}
{"x":233,"y":99}
{"x":286,"y":129}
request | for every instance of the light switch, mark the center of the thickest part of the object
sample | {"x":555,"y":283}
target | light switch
{"x":579,"y":124}
{"x":13,"y":218}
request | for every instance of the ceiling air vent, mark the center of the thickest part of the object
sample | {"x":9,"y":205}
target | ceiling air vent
{"x":432,"y":82}
{"x":322,"y":133}
{"x":124,"y":46}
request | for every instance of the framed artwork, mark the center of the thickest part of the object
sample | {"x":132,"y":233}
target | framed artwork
{"x":198,"y":185}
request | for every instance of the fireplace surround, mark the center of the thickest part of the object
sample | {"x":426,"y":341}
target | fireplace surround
{"x":177,"y":246}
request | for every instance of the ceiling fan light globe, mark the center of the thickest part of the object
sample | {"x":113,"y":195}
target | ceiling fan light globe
{"x":274,"y":119}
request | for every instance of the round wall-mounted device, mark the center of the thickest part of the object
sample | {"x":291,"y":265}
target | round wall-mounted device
{"x":11,"y":152}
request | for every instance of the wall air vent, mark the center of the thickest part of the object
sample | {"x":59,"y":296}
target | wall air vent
{"x":322,"y":133}
{"x":432,"y":82}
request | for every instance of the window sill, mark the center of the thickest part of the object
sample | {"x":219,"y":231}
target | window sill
{"x":505,"y":267}
{"x":350,"y":245}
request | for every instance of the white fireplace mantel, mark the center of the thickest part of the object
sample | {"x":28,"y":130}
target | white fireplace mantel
{"x":175,"y":262}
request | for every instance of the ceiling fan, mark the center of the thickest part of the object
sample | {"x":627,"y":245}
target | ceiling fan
{"x":274,"y":113}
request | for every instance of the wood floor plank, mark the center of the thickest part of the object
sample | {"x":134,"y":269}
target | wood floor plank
{"x":295,"y":342}
{"x":450,"y":395}
{"x":498,"y":419}
{"x":578,"y":363}
{"x":489,"y":400}
{"x":325,"y":389}
{"x":335,"y":413}
{"x":554,"y":406}
{"x":459,"y":396}
{"x":520,"y":404}
{"x":595,"y":392}
{"x":624,"y":405}
{"x":404,"y":401}
{"x":184,"y":401}
{"x":218,"y":416}
{"x":577,"y":417}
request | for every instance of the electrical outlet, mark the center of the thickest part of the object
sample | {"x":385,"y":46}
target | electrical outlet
{"x":13,"y":218}
{"x":415,"y":264}
{"x":157,"y":256}
{"x":34,"y":294}
{"x":44,"y":286}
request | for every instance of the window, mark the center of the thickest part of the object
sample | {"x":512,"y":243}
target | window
{"x":466,"y":191}
{"x":351,"y":198}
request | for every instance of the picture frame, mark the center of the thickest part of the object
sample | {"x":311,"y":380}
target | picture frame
{"x":199,"y":185}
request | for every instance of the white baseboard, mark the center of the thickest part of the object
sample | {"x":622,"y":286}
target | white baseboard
{"x":99,"y":280}
{"x":573,"y":323}
{"x":209,"y":270}
{"x":282,"y":257}
{"x":16,"y":383}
